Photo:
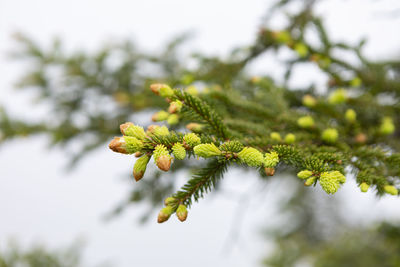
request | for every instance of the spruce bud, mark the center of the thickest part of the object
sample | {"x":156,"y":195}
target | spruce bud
{"x":140,"y":167}
{"x":207,"y":150}
{"x":290,"y":138}
{"x":231,"y":146}
{"x":164,"y":214}
{"x":162,"y":157}
{"x":192,"y":90}
{"x":301,"y":49}
{"x":161,"y":131}
{"x":364,"y":187}
{"x":166,"y":91}
{"x":125,"y":145}
{"x":152,"y":128}
{"x":305,"y":122}
{"x":310,"y":181}
{"x":170,"y":201}
{"x":178,"y":151}
{"x":271,"y":159}
{"x":338,"y":96}
{"x":195,"y":127}
{"x":191,"y":139}
{"x":175,"y":106}
{"x":304,"y":174}
{"x":160,"y":116}
{"x":251,"y":157}
{"x":390,"y":189}
{"x":156,"y":87}
{"x":130,"y":129}
{"x":309,"y":101}
{"x":182,"y":212}
{"x":275,"y":136}
{"x":330,"y":135}
{"x":269,"y":171}
{"x":350,"y":115}
{"x":173,"y":119}
{"x":387,"y":127}
{"x":329,"y":182}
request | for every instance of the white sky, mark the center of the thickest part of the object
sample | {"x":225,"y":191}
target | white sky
{"x":39,"y":202}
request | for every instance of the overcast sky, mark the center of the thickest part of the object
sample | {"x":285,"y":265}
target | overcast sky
{"x":38,"y":202}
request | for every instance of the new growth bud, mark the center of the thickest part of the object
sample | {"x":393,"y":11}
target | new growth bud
{"x":175,"y":106}
{"x":330,"y":181}
{"x":350,"y":115}
{"x":271,"y":159}
{"x":170,"y":201}
{"x":304,"y":174}
{"x":161,"y":131}
{"x":309,"y":101}
{"x":390,"y":189}
{"x":178,"y":151}
{"x":164,"y":214}
{"x":290,"y":138}
{"x":195,"y":127}
{"x":191,"y":139}
{"x":160,"y":116}
{"x":162,"y":158}
{"x":125,"y":145}
{"x":275,"y":136}
{"x":364,"y":187}
{"x":140,"y":167}
{"x":306,"y":122}
{"x":330,"y":135}
{"x":130,"y":129}
{"x":207,"y":150}
{"x":182,"y":213}
{"x":310,"y":181}
{"x":173,"y":119}
{"x":387,"y":127}
{"x":155,"y":87}
{"x":338,"y":96}
{"x":251,"y":157}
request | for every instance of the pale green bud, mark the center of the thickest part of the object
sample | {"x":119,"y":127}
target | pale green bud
{"x":271,"y":159}
{"x":350,"y":115}
{"x":310,"y":181}
{"x":290,"y":138}
{"x":309,"y":101}
{"x":330,"y":135}
{"x":182,"y":213}
{"x":390,"y":189}
{"x":329,"y":182}
{"x":161,"y":131}
{"x":339,"y":176}
{"x":166,"y":91}
{"x":304,"y":174}
{"x":364,"y":187}
{"x":175,"y":106}
{"x":301,"y":49}
{"x":195,"y":127}
{"x":282,"y":37}
{"x":387,"y":127}
{"x":173,"y":119}
{"x":160,"y":116}
{"x":178,"y":151}
{"x":275,"y":136}
{"x":191,"y":139}
{"x":162,"y":158}
{"x":305,"y":122}
{"x":133,"y":144}
{"x":231,"y":146}
{"x":356,"y":82}
{"x":164,"y":214}
{"x":170,"y":201}
{"x":156,"y":87}
{"x":140,"y":167}
{"x":130,"y":129}
{"x":207,"y":150}
{"x":338,"y":96}
{"x":251,"y":157}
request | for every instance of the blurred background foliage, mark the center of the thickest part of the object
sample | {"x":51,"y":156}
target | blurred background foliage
{"x":87,"y":96}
